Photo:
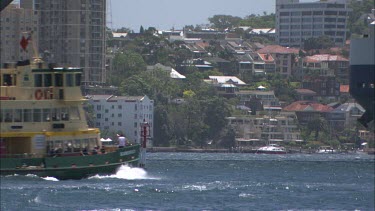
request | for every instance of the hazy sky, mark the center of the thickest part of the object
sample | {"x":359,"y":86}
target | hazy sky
{"x":165,"y":14}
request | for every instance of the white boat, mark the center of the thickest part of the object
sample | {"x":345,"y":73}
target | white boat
{"x":271,"y":149}
{"x":326,"y":150}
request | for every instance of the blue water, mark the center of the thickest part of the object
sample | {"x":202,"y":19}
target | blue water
{"x":208,"y":181}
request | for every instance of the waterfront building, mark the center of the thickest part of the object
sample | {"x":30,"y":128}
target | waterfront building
{"x":17,"y":21}
{"x":260,"y":129}
{"x":115,"y":114}
{"x":298,"y":21}
{"x":73,"y":33}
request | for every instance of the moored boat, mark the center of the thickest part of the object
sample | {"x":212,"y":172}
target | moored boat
{"x":44,"y":129}
{"x":271,"y":149}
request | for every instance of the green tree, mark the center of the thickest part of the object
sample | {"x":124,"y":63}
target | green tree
{"x":125,"y":65}
{"x":322,"y":42}
{"x":223,"y":22}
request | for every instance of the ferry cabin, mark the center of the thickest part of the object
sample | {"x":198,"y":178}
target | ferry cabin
{"x":41,"y":111}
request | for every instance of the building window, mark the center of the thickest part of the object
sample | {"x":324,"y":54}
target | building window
{"x":119,"y":123}
{"x":135,"y":124}
{"x":98,"y":116}
{"x":119,"y":106}
{"x":119,"y":115}
{"x":106,"y":111}
{"x":98,"y":107}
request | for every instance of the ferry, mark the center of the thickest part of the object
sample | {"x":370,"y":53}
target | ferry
{"x":44,"y":130}
{"x":362,"y":77}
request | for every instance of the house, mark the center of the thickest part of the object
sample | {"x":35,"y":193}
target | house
{"x":326,"y":87}
{"x":325,"y":65}
{"x":307,"y":111}
{"x":306,"y":94}
{"x":258,"y":100}
{"x":168,"y":70}
{"x":226,"y":86}
{"x":345,"y":115}
{"x":284,"y":57}
{"x":124,"y":114}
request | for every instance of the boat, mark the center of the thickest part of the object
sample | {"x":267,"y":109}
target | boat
{"x":271,"y":149}
{"x":362,"y":68}
{"x":326,"y":150}
{"x":44,"y":131}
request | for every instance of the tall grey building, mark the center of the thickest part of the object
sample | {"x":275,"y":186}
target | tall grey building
{"x":72,"y":33}
{"x":296,"y":22}
{"x":17,"y":22}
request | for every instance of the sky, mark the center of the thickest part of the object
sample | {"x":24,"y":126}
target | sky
{"x":168,"y":14}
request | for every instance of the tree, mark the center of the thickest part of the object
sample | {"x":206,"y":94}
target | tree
{"x":322,"y":42}
{"x":141,"y":30}
{"x":223,"y":22}
{"x":125,"y":65}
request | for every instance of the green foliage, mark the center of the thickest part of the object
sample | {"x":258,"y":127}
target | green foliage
{"x":359,"y":8}
{"x":322,"y":42}
{"x":125,"y":65}
{"x":223,"y":22}
{"x":259,"y":21}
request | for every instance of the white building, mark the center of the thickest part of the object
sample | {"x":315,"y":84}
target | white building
{"x":116,"y":114}
{"x":296,"y":22}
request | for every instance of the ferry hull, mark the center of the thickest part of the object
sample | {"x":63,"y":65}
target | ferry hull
{"x":71,"y":167}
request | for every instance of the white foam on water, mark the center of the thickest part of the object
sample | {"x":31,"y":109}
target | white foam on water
{"x":50,"y":179}
{"x":127,"y":173}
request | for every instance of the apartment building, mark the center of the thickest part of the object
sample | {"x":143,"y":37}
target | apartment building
{"x":72,"y":33}
{"x":298,"y":21}
{"x":17,"y":21}
{"x":115,"y":114}
{"x":264,"y":128}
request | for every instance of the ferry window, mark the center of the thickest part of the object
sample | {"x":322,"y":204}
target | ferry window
{"x":361,"y":85}
{"x":371,"y":86}
{"x":77,"y":145}
{"x":37,"y":115}
{"x":27,"y":117}
{"x":7,"y":80}
{"x":59,"y":79}
{"x":56,"y":114}
{"x":74,"y":113}
{"x":17,"y":115}
{"x":47,"y":80}
{"x":78,"y":79}
{"x":46,"y":115}
{"x":26,"y":77}
{"x":69,"y":80}
{"x":64,"y":114}
{"x":8,"y":115}
{"x":38,"y":80}
{"x":85,"y":144}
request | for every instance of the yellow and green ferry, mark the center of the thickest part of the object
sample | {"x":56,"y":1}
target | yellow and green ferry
{"x":44,"y":131}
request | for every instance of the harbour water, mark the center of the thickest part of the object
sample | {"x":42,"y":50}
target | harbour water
{"x":208,"y":181}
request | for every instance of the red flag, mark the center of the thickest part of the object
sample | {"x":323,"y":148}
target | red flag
{"x":24,"y":42}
